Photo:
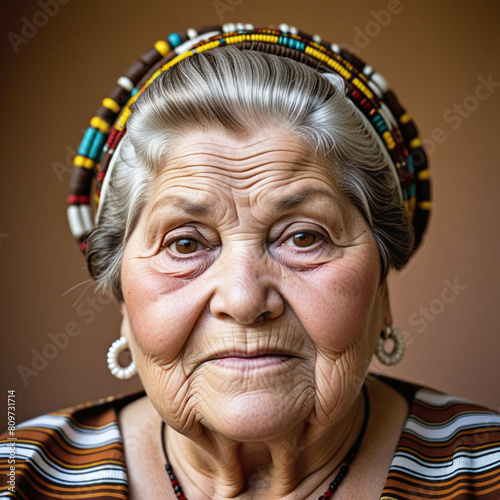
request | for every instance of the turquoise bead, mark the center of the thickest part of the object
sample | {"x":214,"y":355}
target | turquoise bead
{"x":97,"y":145}
{"x":87,"y":140}
{"x":380,"y":124}
{"x":409,"y":162}
{"x":174,"y":39}
{"x":134,"y":91}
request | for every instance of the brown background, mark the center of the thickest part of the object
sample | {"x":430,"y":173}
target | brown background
{"x":432,"y":53}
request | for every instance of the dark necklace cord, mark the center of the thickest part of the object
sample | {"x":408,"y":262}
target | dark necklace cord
{"x":344,"y":468}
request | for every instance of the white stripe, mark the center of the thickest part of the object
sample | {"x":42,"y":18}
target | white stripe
{"x":93,"y":474}
{"x":436,"y":399}
{"x":460,"y":463}
{"x":184,"y":47}
{"x":76,"y":437}
{"x":444,"y":431}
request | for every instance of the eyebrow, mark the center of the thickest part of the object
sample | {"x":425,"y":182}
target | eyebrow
{"x":191,"y":208}
{"x":294,"y":200}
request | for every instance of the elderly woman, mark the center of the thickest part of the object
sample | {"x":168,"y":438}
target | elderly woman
{"x":255,"y":190}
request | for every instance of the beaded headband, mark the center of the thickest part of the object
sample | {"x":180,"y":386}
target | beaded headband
{"x":367,"y":90}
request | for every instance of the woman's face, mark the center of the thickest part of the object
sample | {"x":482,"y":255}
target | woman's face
{"x":251,"y":288}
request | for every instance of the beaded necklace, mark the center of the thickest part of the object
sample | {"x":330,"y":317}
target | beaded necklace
{"x":344,"y":468}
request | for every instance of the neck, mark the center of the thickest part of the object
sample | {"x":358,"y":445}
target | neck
{"x":294,"y":465}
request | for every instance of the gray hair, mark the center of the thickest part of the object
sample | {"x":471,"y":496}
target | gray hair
{"x":237,"y":91}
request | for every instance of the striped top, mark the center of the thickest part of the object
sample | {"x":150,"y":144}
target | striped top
{"x":449,"y":449}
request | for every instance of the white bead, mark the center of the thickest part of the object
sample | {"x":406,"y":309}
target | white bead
{"x":192,"y":33}
{"x":284,"y":27}
{"x":388,"y":116}
{"x":380,"y":82}
{"x":294,"y":30}
{"x":75,"y":222}
{"x":335,"y":48}
{"x":249,"y":27}
{"x":240,"y":26}
{"x":86,"y":217}
{"x":316,"y":38}
{"x":231,"y":27}
{"x":375,"y":89}
{"x":125,"y":83}
{"x":367,"y":70}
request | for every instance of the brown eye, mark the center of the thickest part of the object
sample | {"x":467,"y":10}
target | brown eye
{"x":303,"y":239}
{"x":185,"y":246}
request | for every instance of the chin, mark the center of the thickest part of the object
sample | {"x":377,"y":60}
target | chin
{"x":260,"y":416}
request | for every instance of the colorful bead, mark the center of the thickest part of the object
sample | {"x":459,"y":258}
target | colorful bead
{"x":162,"y":47}
{"x":405,"y":118}
{"x":380,"y":82}
{"x":174,"y":39}
{"x":415,"y":143}
{"x":125,"y":83}
{"x":192,"y":33}
{"x":98,"y":123}
{"x":110,"y":104}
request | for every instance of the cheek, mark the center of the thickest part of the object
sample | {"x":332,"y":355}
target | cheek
{"x":162,"y":312}
{"x":335,"y":302}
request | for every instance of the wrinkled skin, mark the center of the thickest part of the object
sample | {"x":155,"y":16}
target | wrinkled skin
{"x":252,"y":305}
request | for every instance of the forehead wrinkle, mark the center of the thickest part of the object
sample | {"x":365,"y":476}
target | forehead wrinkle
{"x":240,"y":151}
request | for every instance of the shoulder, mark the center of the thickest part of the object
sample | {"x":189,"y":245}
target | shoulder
{"x":449,"y":448}
{"x":77,"y":451}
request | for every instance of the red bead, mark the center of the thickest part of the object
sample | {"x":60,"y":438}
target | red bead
{"x":100,"y":176}
{"x":328,"y":494}
{"x":83,"y":200}
{"x":72,"y":199}
{"x":356,"y":94}
{"x":175,"y":483}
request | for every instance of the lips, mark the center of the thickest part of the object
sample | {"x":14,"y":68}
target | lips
{"x":243,"y":360}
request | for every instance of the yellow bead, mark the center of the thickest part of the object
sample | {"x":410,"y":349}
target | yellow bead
{"x":389,"y":139}
{"x":415,"y":143}
{"x":79,"y":161}
{"x":162,"y":47}
{"x":96,"y":198}
{"x":405,"y":118}
{"x":88,"y":163}
{"x":424,"y":175}
{"x":425,"y":205}
{"x":100,"y":124}
{"x":413,"y":202}
{"x":110,"y":104}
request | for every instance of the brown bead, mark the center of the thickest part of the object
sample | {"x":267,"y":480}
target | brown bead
{"x":81,"y":180}
{"x":393,"y":104}
{"x":136,"y":71}
{"x":151,"y":57}
{"x":120,"y":95}
{"x":106,"y":114}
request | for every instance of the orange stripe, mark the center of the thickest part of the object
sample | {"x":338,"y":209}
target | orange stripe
{"x":494,"y":478}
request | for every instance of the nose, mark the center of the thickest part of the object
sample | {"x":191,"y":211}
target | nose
{"x":246,"y":291}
